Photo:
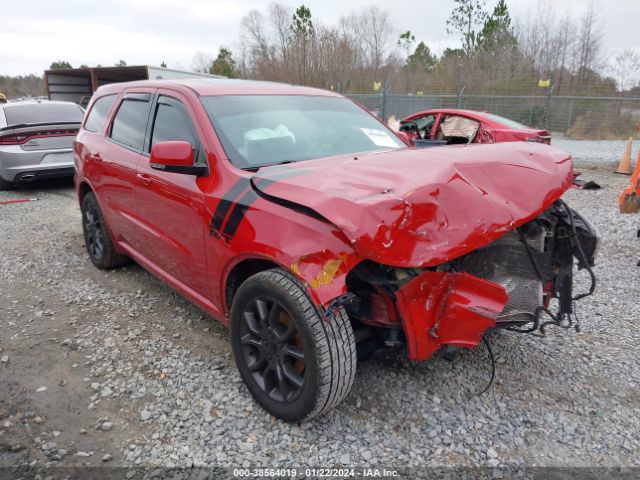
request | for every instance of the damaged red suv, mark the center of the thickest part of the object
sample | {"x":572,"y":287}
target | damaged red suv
{"x":296,"y":218}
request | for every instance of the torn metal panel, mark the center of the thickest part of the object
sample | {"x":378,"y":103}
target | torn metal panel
{"x":439,"y":308}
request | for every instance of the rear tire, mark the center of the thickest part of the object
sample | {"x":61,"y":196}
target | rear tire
{"x":4,"y":185}
{"x":96,"y":236}
{"x":296,"y":363}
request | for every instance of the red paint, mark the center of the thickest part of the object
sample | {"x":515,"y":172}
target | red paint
{"x":423,"y":207}
{"x":20,"y":200}
{"x":22,"y":138}
{"x":490,"y":131}
{"x":441,"y":308}
{"x":406,"y":208}
{"x":177,"y":153}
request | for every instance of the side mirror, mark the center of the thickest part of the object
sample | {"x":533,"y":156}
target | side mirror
{"x":175,"y":157}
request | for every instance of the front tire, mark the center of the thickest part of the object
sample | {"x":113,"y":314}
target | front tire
{"x":96,"y":236}
{"x":296,"y":364}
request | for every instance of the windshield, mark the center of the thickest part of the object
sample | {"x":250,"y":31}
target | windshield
{"x":505,"y":121}
{"x":21,"y":113}
{"x":261,"y":130}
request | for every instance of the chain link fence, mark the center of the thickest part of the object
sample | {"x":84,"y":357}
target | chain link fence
{"x":592,"y":128}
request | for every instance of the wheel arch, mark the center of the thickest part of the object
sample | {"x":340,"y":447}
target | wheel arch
{"x":239,"y":271}
{"x":83,"y":189}
{"x":323,"y":273}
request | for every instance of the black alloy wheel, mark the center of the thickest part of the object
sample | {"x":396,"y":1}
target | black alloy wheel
{"x":93,"y":229}
{"x":272,"y":349}
{"x":96,"y":236}
{"x":296,"y":362}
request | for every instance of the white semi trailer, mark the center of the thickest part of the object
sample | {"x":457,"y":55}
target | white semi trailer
{"x":78,"y":84}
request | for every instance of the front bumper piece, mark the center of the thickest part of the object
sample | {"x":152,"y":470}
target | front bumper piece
{"x":440,"y":308}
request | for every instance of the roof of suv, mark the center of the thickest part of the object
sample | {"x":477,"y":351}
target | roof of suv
{"x":222,"y":86}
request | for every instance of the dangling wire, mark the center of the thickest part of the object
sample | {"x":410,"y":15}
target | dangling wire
{"x":559,"y":320}
{"x":493,"y":366}
{"x":583,"y":256}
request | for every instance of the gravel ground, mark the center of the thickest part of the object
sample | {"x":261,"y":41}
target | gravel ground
{"x":113,"y":368}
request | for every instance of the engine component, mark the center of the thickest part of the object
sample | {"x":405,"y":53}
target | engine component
{"x":506,"y":262}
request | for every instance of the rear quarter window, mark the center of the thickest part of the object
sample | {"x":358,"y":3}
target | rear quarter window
{"x":98,"y":114}
{"x":130,"y":122}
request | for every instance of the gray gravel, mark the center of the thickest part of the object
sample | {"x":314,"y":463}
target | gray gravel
{"x":149,"y":380}
{"x":594,"y":152}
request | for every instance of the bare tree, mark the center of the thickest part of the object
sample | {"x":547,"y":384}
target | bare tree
{"x":625,"y":68}
{"x":589,"y":44}
{"x":202,"y":62}
{"x":372,"y":33}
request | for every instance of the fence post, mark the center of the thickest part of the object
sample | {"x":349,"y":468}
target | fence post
{"x":459,"y":98}
{"x":383,"y":107}
{"x":547,"y":108}
{"x":573,"y":100}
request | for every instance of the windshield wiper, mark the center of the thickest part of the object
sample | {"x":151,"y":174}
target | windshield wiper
{"x":255,"y":169}
{"x":279,"y":163}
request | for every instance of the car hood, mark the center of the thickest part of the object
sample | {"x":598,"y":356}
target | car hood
{"x":422,"y":207}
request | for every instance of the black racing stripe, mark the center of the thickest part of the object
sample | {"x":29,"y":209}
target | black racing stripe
{"x":226,"y":202}
{"x":242,"y":205}
{"x":238,"y":212}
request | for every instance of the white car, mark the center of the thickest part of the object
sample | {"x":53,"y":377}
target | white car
{"x":36,"y":140}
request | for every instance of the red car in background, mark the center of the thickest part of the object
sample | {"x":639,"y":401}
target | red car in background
{"x":451,"y":126}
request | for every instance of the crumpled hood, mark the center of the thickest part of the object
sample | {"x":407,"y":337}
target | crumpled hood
{"x":423,"y":207}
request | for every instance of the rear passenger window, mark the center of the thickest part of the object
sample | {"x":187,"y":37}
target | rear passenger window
{"x":130,"y":122}
{"x":172,"y":123}
{"x":98,"y":113}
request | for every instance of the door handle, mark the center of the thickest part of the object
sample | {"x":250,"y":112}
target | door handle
{"x":144,"y":178}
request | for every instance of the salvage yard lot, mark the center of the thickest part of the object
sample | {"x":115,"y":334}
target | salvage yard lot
{"x":113,"y":368}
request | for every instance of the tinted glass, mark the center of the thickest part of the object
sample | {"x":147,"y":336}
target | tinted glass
{"x":172,"y":123}
{"x":260,"y":130}
{"x":130,"y":122}
{"x":98,"y":113}
{"x":44,"y":112}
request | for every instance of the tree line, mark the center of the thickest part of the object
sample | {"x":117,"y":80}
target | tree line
{"x":497,"y":54}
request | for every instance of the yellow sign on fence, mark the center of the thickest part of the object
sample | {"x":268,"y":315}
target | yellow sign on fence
{"x":377,"y":86}
{"x":544,"y":83}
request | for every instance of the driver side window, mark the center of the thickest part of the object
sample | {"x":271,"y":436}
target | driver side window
{"x":172,"y":123}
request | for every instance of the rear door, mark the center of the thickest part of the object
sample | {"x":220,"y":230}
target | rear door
{"x":116,"y":161}
{"x":170,"y":206}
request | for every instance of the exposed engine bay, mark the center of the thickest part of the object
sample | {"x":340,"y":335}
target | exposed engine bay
{"x":508,"y":283}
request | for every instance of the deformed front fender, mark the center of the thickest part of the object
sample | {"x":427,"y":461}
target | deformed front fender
{"x":325,"y":273}
{"x":440,"y":308}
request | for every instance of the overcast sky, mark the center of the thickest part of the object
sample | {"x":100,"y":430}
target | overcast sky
{"x":34,"y":33}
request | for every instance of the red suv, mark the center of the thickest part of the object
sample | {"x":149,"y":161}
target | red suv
{"x":298,"y":219}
